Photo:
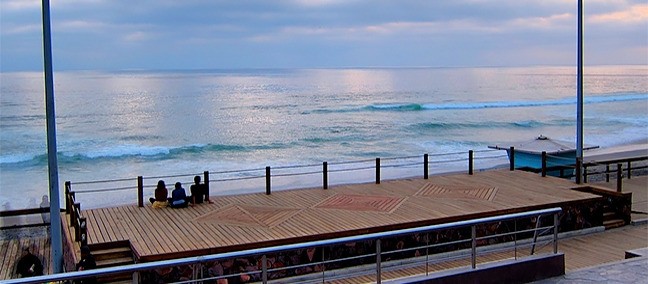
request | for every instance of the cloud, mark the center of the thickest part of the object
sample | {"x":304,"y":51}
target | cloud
{"x":21,"y":29}
{"x":634,"y":14}
{"x":294,"y":33}
{"x":19,"y":5}
{"x":319,"y":3}
{"x":79,"y":25}
{"x":137,"y":36}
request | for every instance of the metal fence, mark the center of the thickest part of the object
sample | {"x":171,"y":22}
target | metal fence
{"x":472,"y":247}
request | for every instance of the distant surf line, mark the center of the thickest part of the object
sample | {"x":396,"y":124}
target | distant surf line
{"x":488,"y":105}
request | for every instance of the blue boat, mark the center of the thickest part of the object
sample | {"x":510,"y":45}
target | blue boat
{"x":561,"y":155}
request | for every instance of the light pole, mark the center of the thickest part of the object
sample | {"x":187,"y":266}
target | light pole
{"x":579,"y":85}
{"x":52,"y":162}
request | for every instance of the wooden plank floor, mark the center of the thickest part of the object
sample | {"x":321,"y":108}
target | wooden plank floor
{"x":11,"y":251}
{"x":255,"y":220}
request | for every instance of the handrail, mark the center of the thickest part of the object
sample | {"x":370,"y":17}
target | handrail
{"x":73,"y":208}
{"x":607,"y":171}
{"x":132,"y":268}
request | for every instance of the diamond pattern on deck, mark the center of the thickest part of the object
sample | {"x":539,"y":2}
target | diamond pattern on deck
{"x":372,"y":203}
{"x":248,"y":215}
{"x":452,"y":191}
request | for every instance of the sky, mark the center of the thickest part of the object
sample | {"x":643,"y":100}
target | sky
{"x":219,"y":34}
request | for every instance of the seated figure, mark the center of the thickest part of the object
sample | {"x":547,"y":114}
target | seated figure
{"x":179,"y":197}
{"x":161,"y":193}
{"x":29,"y":264}
{"x":199,"y":192}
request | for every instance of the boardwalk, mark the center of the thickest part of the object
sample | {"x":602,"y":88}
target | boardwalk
{"x":11,"y":249}
{"x":445,"y":197}
{"x":254,"y":220}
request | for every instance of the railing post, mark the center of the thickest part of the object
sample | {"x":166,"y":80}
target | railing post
{"x":136,"y":277}
{"x":544,"y":163}
{"x":426,"y":170}
{"x":473,"y":254}
{"x":83,"y":228}
{"x":584,"y":173}
{"x":267,"y":180}
{"x":264,"y":269}
{"x":206,"y":182}
{"x":629,"y":169}
{"x":512,"y":158}
{"x":140,"y":191}
{"x":68,"y":206}
{"x":619,"y":186}
{"x":555,"y":233}
{"x":378,"y":262}
{"x":77,"y":223}
{"x":377,"y":170}
{"x":579,"y":165}
{"x":72,"y":212}
{"x":607,"y":173}
{"x":325,"y":175}
{"x":470,"y":162}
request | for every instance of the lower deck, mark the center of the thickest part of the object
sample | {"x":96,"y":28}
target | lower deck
{"x":248,"y":221}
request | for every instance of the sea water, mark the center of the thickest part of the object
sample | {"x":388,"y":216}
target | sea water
{"x":173,"y":124}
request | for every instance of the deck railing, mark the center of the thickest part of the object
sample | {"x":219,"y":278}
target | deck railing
{"x":270,"y":174}
{"x":28,"y":218}
{"x":73,"y":210}
{"x":575,"y":168}
{"x":617,"y":169}
{"x":79,"y":223}
{"x":532,"y":237}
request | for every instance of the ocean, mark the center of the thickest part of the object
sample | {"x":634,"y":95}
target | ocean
{"x":171,"y":125}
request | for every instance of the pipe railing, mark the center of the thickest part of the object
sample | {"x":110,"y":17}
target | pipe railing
{"x":472,"y":251}
{"x":268,"y":173}
{"x":605,"y":169}
{"x":80,"y":225}
{"x":73,"y":209}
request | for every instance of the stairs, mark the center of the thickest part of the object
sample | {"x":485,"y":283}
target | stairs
{"x":611,"y":219}
{"x":113,"y":254}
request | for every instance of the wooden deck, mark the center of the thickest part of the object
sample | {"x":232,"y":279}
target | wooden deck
{"x":255,"y":220}
{"x":11,"y":250}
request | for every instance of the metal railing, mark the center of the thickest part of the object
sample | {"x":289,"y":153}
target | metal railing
{"x":471,"y":246}
{"x":73,"y":208}
{"x":268,"y":173}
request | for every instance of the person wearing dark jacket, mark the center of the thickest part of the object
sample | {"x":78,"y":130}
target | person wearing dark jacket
{"x":87,"y":262}
{"x":29,"y":265}
{"x":179,"y":197}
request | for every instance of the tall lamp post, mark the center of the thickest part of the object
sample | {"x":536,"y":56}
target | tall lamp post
{"x":52,"y":162}
{"x":579,"y":85}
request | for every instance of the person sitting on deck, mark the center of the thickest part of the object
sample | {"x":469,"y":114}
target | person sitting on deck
{"x":29,"y":265}
{"x":161,"y":193}
{"x":179,"y":197}
{"x":199,"y":192}
{"x":87,"y":262}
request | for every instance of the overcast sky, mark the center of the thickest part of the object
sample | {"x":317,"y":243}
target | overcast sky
{"x":214,"y":34}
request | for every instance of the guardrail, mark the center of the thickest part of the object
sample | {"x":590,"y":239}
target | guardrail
{"x":532,"y":234}
{"x":617,"y":169}
{"x":575,"y":168}
{"x":73,"y":210}
{"x":425,"y":162}
{"x":35,"y":221}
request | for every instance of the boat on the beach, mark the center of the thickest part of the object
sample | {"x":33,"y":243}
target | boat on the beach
{"x":528,"y":154}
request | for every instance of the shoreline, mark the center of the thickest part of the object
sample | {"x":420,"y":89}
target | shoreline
{"x":636,"y":145}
